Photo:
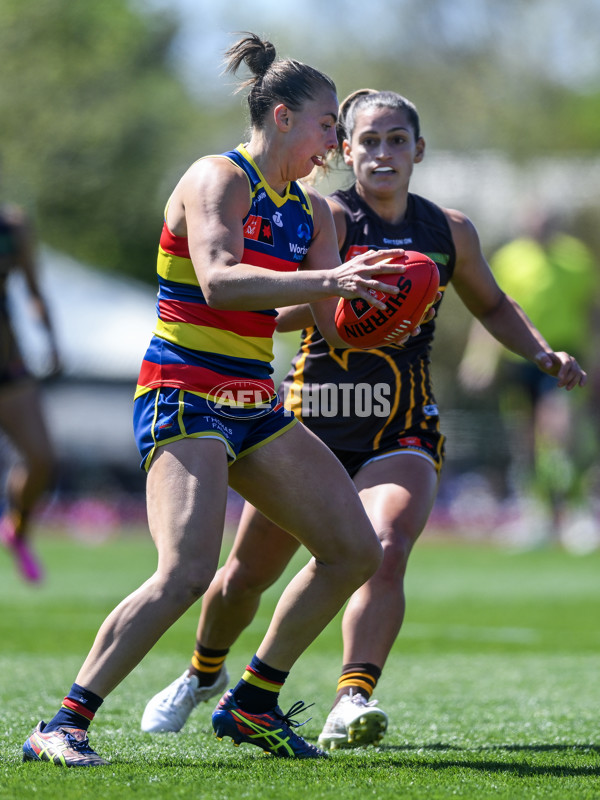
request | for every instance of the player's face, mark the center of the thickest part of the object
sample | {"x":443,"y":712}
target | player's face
{"x":383,"y":150}
{"x":311,"y":134}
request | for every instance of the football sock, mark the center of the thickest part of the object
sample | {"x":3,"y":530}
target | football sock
{"x":206,"y":664}
{"x":360,"y":677}
{"x":258,"y":690}
{"x":77,"y":710}
{"x":19,"y":518}
{"x":14,"y":521}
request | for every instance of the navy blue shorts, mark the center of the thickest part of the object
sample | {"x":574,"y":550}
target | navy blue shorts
{"x":165,"y":415}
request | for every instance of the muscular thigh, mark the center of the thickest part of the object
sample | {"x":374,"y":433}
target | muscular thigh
{"x":301,"y":486}
{"x":186,"y":500}
{"x":398,"y":493}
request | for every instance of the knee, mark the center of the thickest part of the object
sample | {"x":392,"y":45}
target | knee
{"x":367,"y":559}
{"x":396,"y":550}
{"x":186,"y":584}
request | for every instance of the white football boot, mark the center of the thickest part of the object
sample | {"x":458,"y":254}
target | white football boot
{"x":168,"y":710}
{"x":353,"y":722}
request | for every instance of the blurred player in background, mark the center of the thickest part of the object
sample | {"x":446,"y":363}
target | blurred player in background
{"x":240,"y":237}
{"x":392,"y":448}
{"x":21,"y":413}
{"x":555,"y":278}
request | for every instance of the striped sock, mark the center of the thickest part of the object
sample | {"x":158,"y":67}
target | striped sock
{"x":77,"y":711}
{"x":206,"y":664}
{"x":360,"y":677}
{"x":258,"y":690}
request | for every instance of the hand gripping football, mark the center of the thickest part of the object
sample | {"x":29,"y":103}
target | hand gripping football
{"x":364,"y":326}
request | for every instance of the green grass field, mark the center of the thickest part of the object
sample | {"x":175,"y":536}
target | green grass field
{"x":493,"y":688}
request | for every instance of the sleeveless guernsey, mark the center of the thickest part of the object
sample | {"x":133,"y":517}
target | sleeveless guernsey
{"x":198,"y":348}
{"x":364,"y":400}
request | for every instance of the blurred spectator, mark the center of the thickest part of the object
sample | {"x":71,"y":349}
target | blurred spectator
{"x":21,"y":415}
{"x":552,"y":439}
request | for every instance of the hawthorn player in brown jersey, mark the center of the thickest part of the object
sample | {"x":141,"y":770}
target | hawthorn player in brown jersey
{"x":377,"y":412}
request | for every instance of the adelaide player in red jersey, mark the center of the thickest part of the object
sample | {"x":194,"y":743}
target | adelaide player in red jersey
{"x":241,"y":238}
{"x":376,"y":410}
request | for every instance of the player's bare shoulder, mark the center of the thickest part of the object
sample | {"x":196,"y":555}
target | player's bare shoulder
{"x":216,"y":174}
{"x":464,"y":232}
{"x":211,"y":187}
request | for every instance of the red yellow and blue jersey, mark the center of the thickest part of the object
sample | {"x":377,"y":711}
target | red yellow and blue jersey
{"x":198,"y":348}
{"x":367,"y":401}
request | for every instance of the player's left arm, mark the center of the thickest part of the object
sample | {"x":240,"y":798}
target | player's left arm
{"x":500,"y":314}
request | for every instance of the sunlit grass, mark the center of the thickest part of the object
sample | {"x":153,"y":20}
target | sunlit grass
{"x":492,"y":689}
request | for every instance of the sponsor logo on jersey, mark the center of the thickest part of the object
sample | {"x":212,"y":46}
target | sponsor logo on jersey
{"x":415,"y":441}
{"x":298,"y":251}
{"x":397,"y":242}
{"x":217,"y":425}
{"x":259,"y":229}
{"x":357,"y":249}
{"x":278,"y":219}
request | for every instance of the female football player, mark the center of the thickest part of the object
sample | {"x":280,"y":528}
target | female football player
{"x":21,"y":413}
{"x":237,"y":227}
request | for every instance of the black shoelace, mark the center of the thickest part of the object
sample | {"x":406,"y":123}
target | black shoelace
{"x":82,"y":746}
{"x":297,"y":708}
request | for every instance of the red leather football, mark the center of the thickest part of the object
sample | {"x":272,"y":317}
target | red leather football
{"x":364,"y":326}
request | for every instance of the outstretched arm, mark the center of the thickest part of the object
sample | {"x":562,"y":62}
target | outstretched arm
{"x":500,"y":314}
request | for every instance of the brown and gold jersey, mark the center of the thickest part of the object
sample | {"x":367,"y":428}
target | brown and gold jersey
{"x":367,"y":400}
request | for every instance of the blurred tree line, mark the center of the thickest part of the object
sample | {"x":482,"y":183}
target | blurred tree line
{"x":94,"y":124}
{"x":97,"y":125}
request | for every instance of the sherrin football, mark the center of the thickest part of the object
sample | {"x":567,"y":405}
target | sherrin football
{"x":364,"y":326}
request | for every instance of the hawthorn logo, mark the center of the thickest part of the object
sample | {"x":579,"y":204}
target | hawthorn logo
{"x":228,"y":398}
